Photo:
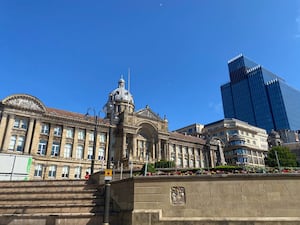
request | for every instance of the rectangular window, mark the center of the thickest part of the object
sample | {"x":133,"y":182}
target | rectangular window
{"x":12,"y":143}
{"x":42,"y":147}
{"x":23,"y":124}
{"x":38,"y":170}
{"x":79,"y":152}
{"x":45,"y":129}
{"x":91,"y":136}
{"x":20,"y":123}
{"x":90,"y":152}
{"x":77,"y":173}
{"x":55,"y":149}
{"x":17,"y":123}
{"x":20,"y":145}
{"x":57,"y":130}
{"x":52,"y":171}
{"x":68,"y":151}
{"x":102,"y":137}
{"x":70,"y":132}
{"x":65,"y":171}
{"x":101,"y":153}
{"x":81,"y":135}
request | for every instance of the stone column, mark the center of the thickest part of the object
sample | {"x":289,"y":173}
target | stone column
{"x":50,"y":140}
{"x":63,"y":141}
{"x":124,"y":147}
{"x":212,"y":158}
{"x":154,"y":149}
{"x":182,"y":155}
{"x":159,"y":149}
{"x":29,"y":136}
{"x":134,"y":147}
{"x":2,"y":129}
{"x":85,"y":146}
{"x":201,"y":163}
{"x":36,"y":137}
{"x":8,"y":132}
{"x":176,"y":155}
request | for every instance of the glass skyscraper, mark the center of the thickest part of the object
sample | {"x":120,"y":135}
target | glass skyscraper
{"x":259,"y":97}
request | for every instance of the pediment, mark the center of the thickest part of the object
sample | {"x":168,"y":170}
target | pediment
{"x":25,"y":102}
{"x":148,"y":113}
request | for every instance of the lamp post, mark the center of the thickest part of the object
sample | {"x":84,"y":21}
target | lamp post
{"x":95,"y":137}
{"x":109,"y":108}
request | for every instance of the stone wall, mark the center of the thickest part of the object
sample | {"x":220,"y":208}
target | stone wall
{"x":258,"y":199}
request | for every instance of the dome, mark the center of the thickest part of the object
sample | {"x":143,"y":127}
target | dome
{"x":120,"y":94}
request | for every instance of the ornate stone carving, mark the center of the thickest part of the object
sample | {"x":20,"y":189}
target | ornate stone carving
{"x":25,"y":102}
{"x":177,"y":195}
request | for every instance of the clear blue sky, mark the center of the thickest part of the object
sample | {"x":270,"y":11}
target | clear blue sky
{"x":71,"y":54}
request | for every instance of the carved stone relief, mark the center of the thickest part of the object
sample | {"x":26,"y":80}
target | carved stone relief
{"x":177,"y":195}
{"x":23,"y":102}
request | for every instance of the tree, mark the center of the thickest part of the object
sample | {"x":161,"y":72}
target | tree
{"x":150,"y":168}
{"x":164,"y":164}
{"x":285,"y":156}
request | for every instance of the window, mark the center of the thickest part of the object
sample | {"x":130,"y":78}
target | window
{"x":42,"y":147}
{"x":57,"y":131}
{"x":79,"y":152}
{"x":102,"y":137}
{"x":20,"y":123}
{"x":68,"y":151}
{"x":55,"y":149}
{"x":65,"y":171}
{"x":101,"y":153}
{"x":38,"y":170}
{"x":12,"y":143}
{"x":70,"y":132}
{"x":81,"y":135}
{"x":45,"y":129}
{"x":52,"y":171}
{"x":91,"y":136}
{"x":90,"y":152}
{"x":20,"y":145}
{"x":17,"y":123}
{"x":77,"y":173}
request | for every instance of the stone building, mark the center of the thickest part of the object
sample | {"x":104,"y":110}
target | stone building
{"x":239,"y":142}
{"x":244,"y":144}
{"x":66,"y":145}
{"x":286,"y":138}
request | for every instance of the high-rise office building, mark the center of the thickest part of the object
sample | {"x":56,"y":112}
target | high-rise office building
{"x":259,"y":97}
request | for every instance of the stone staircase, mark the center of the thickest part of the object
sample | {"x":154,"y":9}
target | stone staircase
{"x":63,"y":202}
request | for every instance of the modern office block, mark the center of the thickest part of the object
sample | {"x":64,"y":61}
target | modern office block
{"x":259,"y":97}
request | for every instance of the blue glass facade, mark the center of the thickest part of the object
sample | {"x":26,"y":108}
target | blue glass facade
{"x":259,"y":97}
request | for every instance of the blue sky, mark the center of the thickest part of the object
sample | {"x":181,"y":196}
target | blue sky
{"x":71,"y":54}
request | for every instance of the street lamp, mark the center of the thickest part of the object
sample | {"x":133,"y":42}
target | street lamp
{"x":109,"y":109}
{"x":95,"y":136}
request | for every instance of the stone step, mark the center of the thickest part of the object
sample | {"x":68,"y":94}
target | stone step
{"x":57,"y":218}
{"x":39,"y":201}
{"x":52,"y":208}
{"x":48,"y":188}
{"x":43,"y":183}
{"x":49,"y":195}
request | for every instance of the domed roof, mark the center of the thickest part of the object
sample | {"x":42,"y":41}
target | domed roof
{"x":120,"y":94}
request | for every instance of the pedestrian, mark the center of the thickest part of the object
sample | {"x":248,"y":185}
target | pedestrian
{"x":87,"y":175}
